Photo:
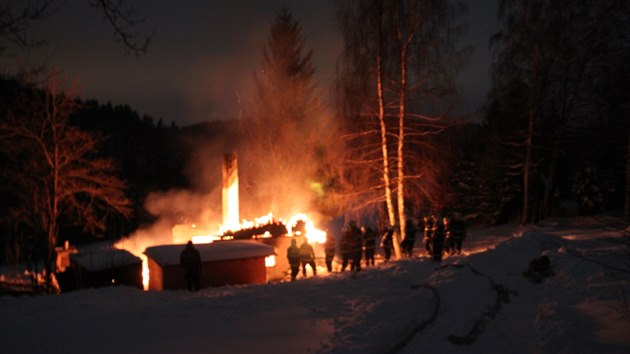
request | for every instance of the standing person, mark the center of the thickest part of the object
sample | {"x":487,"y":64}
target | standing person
{"x":387,"y":242}
{"x":438,"y":239}
{"x":410,"y":239}
{"x":349,"y":235}
{"x":293,"y":255}
{"x":369,"y":243}
{"x":448,"y":240}
{"x":457,"y":230}
{"x":429,"y":221}
{"x":330,"y":248}
{"x":356,"y":250}
{"x":190,"y":260}
{"x":308,"y":257}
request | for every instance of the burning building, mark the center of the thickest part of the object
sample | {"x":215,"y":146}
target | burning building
{"x":161,"y":269}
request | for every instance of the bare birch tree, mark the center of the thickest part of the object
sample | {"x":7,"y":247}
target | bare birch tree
{"x":363,"y":90}
{"x":398,"y":63}
{"x":426,"y":33}
{"x":55,"y":170}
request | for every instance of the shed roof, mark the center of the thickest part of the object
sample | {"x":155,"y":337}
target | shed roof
{"x":215,"y":251}
{"x":101,"y":259}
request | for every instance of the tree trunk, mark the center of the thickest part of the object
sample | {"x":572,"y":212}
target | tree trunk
{"x":529,"y":144}
{"x":55,"y":164}
{"x":527,"y":166}
{"x":627,"y":202}
{"x":402,"y":217}
{"x":49,"y":257}
{"x":383,"y":127}
{"x":551,"y":175}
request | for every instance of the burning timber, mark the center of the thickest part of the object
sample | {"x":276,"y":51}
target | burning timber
{"x":230,"y":201}
{"x":271,"y":229}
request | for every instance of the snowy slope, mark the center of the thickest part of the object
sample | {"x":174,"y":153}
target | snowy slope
{"x":477,"y":303}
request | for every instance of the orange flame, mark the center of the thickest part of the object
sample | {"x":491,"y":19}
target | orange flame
{"x":313,"y":234}
{"x":182,"y":233}
{"x":138,"y":252}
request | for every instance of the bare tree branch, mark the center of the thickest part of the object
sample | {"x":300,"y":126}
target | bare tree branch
{"x":15,"y":21}
{"x":125,"y":20}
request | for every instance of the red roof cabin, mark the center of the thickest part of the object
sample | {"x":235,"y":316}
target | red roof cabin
{"x":224,"y":263}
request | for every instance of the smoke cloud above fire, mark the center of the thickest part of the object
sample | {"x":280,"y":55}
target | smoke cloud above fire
{"x":281,"y":183}
{"x":281,"y":166}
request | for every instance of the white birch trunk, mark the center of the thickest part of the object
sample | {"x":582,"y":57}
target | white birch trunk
{"x":383,"y":127}
{"x":400,"y":182}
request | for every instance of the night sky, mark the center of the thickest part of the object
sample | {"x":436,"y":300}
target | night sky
{"x":203,"y":54}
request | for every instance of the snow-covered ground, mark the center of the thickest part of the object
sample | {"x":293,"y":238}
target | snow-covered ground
{"x":475,"y":303}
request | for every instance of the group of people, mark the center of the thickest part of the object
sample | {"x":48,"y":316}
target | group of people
{"x":355,"y":243}
{"x":442,"y":235}
{"x":301,"y":256}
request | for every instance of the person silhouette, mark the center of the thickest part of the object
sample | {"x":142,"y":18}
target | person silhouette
{"x":190,"y":260}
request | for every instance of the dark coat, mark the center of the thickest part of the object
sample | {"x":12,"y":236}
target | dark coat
{"x":306,"y":252}
{"x":428,"y":228}
{"x":439,"y":234}
{"x":457,"y":229}
{"x":190,"y":259}
{"x":349,"y":240}
{"x":369,"y":239}
{"x":331,"y":246}
{"x":293,"y":255}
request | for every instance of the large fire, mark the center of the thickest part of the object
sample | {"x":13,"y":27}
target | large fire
{"x":298,"y":225}
{"x":262,"y":227}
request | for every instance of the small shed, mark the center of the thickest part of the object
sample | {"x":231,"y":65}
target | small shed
{"x":224,"y":263}
{"x":105,"y":267}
